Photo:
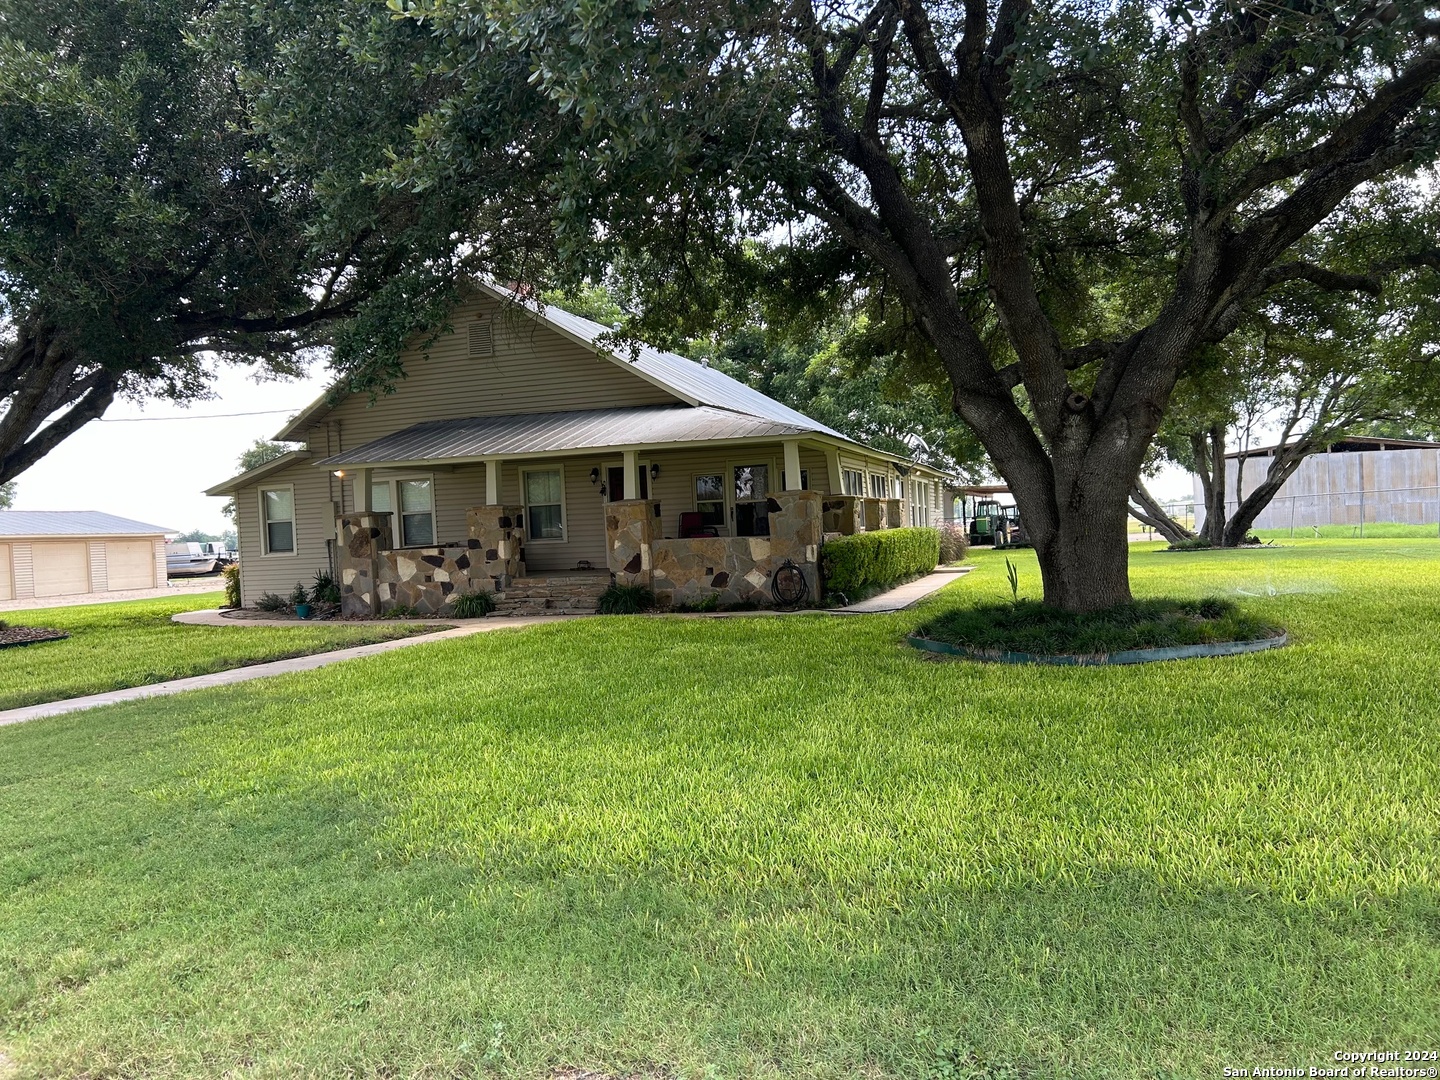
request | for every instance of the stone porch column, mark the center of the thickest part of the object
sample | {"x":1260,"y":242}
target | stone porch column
{"x":363,"y":536}
{"x":629,"y":539}
{"x":497,"y":536}
{"x":844,"y":514}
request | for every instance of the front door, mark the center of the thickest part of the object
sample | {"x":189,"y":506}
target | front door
{"x":615,"y":481}
{"x":751,"y":494}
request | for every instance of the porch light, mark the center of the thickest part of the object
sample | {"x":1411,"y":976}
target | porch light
{"x":654,"y":470}
{"x":340,"y":473}
{"x":595,"y":475}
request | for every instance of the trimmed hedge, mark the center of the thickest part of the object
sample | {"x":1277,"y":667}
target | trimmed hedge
{"x":870,"y":561}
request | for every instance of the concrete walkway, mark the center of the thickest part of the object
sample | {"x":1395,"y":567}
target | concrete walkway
{"x":907,"y":595}
{"x":897,"y":599}
{"x":459,"y":628}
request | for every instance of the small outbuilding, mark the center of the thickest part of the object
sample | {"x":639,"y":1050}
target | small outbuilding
{"x":68,"y":552}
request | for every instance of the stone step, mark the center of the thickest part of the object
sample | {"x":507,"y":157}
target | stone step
{"x":540,"y":605}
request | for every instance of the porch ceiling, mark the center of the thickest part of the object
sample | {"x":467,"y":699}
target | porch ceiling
{"x":480,"y":437}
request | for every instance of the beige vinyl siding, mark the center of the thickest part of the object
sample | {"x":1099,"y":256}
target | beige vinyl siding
{"x":533,"y":369}
{"x":99,"y":573}
{"x":314,"y":525}
{"x":7,"y":578}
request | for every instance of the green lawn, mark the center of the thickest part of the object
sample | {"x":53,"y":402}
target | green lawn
{"x":1374,"y":530}
{"x":112,"y":646}
{"x":752,"y":847}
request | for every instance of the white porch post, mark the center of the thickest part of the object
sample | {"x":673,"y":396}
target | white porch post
{"x":792,"y":465}
{"x":360,"y":482}
{"x":832,"y":463}
{"x":632,"y":475}
{"x":492,"y":481}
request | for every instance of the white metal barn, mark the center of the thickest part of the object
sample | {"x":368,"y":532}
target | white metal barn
{"x":67,"y":552}
{"x":1359,"y":480}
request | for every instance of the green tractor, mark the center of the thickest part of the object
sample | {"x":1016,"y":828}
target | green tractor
{"x":997,"y":525}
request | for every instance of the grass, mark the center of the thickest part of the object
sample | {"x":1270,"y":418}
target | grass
{"x":752,"y":847}
{"x":1149,"y":623}
{"x":1374,"y":530}
{"x":113,"y":646}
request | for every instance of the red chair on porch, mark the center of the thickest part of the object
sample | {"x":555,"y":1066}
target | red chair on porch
{"x":692,"y":524}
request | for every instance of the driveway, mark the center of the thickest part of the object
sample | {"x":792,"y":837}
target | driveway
{"x":178,"y":587}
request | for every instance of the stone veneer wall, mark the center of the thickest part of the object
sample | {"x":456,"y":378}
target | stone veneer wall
{"x":844,"y":514}
{"x":739,"y":569}
{"x":630,"y":540}
{"x":375,"y":578}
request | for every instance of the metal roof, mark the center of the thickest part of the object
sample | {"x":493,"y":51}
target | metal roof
{"x":537,"y":433}
{"x":691,"y":382}
{"x":73,"y":523}
{"x":1347,"y":445}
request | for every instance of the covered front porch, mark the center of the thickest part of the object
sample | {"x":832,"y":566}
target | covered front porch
{"x":463,"y":506}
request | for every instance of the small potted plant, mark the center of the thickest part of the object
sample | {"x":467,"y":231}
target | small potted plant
{"x":300,"y":600}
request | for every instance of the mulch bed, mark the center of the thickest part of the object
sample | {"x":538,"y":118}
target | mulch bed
{"x":28,"y":635}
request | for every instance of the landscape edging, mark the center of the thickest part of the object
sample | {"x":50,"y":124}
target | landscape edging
{"x":1125,"y":656}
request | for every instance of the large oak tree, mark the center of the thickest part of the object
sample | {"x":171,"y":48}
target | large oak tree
{"x":1069,"y":200}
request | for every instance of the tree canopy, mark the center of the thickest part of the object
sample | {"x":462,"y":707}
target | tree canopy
{"x":1066,"y":202}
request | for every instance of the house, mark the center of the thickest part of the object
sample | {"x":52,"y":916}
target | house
{"x":1357,"y":480}
{"x":520,"y":455}
{"x":68,"y":552}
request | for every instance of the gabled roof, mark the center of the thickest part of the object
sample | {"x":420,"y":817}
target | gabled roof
{"x":479,"y":437}
{"x":1349,"y":444}
{"x":73,"y":523}
{"x":693,"y":383}
{"x":284,"y":461}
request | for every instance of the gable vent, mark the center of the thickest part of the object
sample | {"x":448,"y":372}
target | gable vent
{"x":482,"y":338}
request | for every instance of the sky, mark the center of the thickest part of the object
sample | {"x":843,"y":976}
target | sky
{"x":152,"y":462}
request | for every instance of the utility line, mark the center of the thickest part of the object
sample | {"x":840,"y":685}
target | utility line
{"x":187,"y":416}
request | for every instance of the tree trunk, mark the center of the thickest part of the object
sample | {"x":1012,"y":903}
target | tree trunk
{"x":1208,"y":449}
{"x":1149,"y":511}
{"x":1282,"y":467}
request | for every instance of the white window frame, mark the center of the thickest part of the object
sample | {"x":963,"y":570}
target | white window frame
{"x":537,"y":467}
{"x":852,"y":470}
{"x":727,"y":481}
{"x":265,"y":552}
{"x":397,"y":523}
{"x":884,"y":484}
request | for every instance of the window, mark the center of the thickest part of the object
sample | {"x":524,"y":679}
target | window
{"x":277,"y":513}
{"x":710,"y":499}
{"x":804,"y":480}
{"x":852,"y":482}
{"x":879,"y":488}
{"x":417,"y":513}
{"x":415,"y":526}
{"x":752,"y":490}
{"x":545,"y":504}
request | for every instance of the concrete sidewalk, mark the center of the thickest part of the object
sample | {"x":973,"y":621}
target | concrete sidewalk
{"x":907,"y":595}
{"x":261,"y":671}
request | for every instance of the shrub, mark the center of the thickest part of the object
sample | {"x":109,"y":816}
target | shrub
{"x":1194,"y":543}
{"x":272,"y":602}
{"x":865,"y":562}
{"x":954,"y":543}
{"x":298,"y":595}
{"x":231,"y":574}
{"x":474,"y":605}
{"x":708,"y":602}
{"x":626,"y":600}
{"x":402,"y":611}
{"x":326,"y":590}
